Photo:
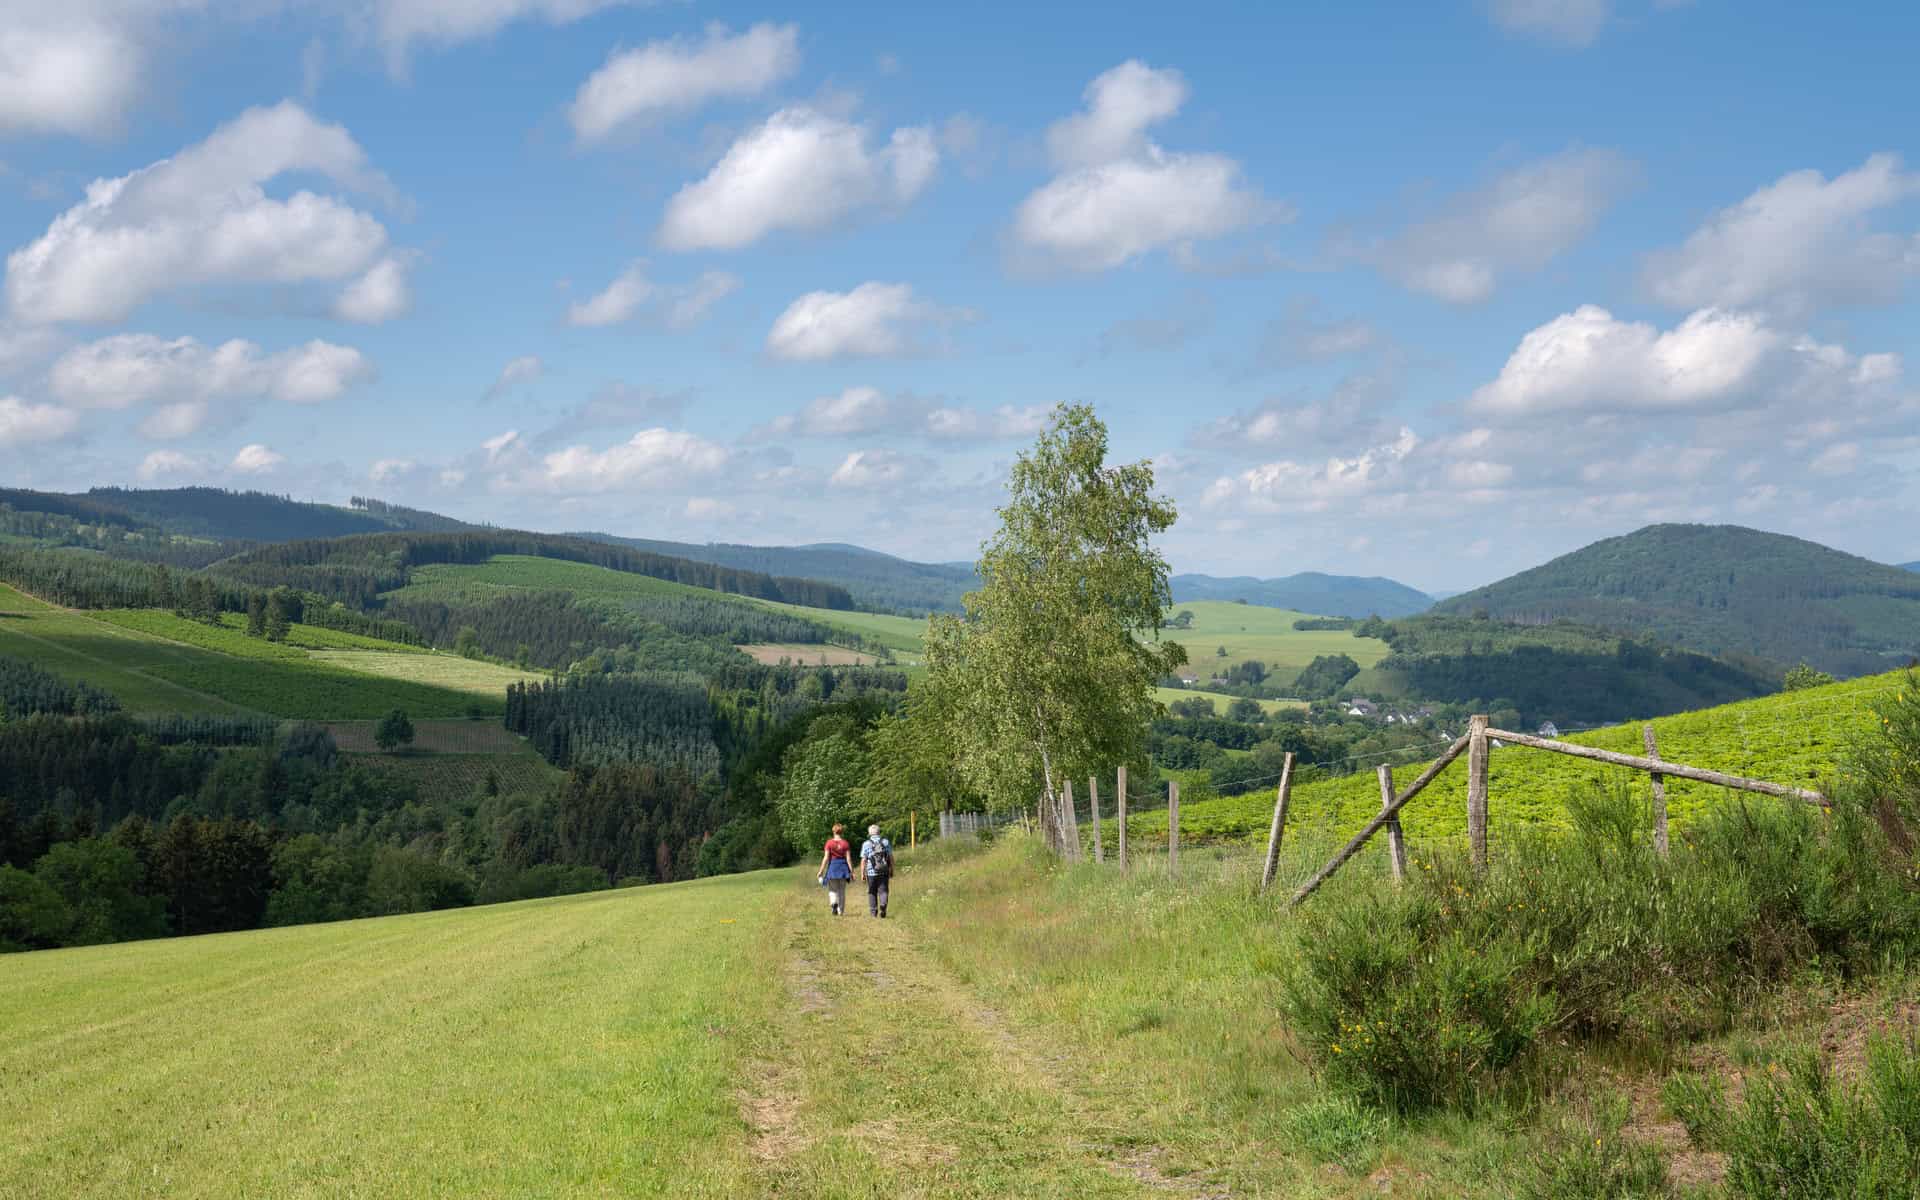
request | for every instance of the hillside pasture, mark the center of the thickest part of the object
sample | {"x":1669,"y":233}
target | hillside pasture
{"x":1794,"y":738}
{"x":804,"y":655}
{"x":449,"y":582}
{"x":472,"y":677}
{"x":902,"y":635}
{"x":1221,"y":700}
{"x":1252,"y":633}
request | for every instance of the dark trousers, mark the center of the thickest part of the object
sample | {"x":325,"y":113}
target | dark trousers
{"x":877,"y":895}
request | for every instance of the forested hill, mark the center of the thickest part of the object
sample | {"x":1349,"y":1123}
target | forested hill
{"x":877,"y":582}
{"x":1309,"y":591}
{"x":1722,"y":589}
{"x":216,"y":514}
{"x":355,"y":570}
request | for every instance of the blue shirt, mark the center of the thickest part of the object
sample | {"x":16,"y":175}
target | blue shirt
{"x":868,"y":849}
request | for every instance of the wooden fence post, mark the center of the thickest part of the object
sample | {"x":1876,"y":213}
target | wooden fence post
{"x":1279,"y":829}
{"x":1396,"y":841}
{"x":1093,"y":798}
{"x":1121,"y":792}
{"x":913,"y":829}
{"x":1071,"y":824}
{"x":1659,"y":795}
{"x":1477,"y":790}
{"x":1173,"y":825}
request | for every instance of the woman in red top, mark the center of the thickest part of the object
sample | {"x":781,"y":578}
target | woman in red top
{"x":836,"y":867}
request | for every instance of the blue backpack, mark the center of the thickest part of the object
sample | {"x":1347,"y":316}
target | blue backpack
{"x":880,"y":860}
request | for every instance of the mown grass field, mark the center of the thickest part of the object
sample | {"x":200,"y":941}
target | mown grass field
{"x":519,"y":572}
{"x":905,"y":636}
{"x":155,"y":662}
{"x":803,"y":654}
{"x":1252,"y":633}
{"x":1794,"y":738}
{"x":1221,"y":699}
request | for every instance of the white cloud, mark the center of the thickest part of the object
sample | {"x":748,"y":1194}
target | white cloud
{"x":1519,"y":221}
{"x":1352,"y":411}
{"x":202,"y":217}
{"x":1588,"y":360}
{"x":388,"y":470}
{"x":706,"y":508}
{"x":1005,"y":423}
{"x":1288,"y":485}
{"x":653,"y":459}
{"x":398,"y":24}
{"x":632,"y":294}
{"x":77,"y":66}
{"x":1118,"y":195}
{"x":162,"y":463}
{"x":524,"y":369}
{"x":855,"y":411}
{"x":868,"y":469}
{"x":873,"y":320}
{"x":379,"y":295}
{"x":256,"y":459}
{"x":22,"y":423}
{"x":802,"y":170}
{"x":1796,"y":244}
{"x":184,"y":375}
{"x":680,"y":74}
{"x":1573,"y":23}
{"x":500,"y":445}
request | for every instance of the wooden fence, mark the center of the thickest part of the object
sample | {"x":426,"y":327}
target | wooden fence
{"x":1059,"y":823}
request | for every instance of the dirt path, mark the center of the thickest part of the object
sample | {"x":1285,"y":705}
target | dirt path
{"x":883,"y":1075}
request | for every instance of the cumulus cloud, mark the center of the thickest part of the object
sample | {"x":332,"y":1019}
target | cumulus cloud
{"x":524,"y":369}
{"x":1117,"y":195}
{"x":855,"y":411}
{"x":203,"y":217}
{"x":678,"y":75}
{"x":23,"y":424}
{"x":653,"y":459}
{"x":874,"y":320}
{"x":1797,"y":244}
{"x":1519,"y":221}
{"x":865,"y":470}
{"x":379,"y":295}
{"x":256,"y":459}
{"x":632,"y":294}
{"x":1008,"y":422}
{"x":802,"y":170}
{"x":78,"y":66}
{"x":1574,"y":23}
{"x":1289,"y":485}
{"x":164,"y":463}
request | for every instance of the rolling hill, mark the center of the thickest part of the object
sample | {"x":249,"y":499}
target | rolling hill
{"x":1309,"y":592}
{"x":878,"y":582}
{"x":1723,"y":590}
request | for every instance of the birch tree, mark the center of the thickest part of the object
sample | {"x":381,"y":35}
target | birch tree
{"x":1049,"y":674}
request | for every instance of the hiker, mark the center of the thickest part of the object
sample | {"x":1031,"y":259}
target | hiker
{"x":876,"y":855}
{"x":836,"y":867}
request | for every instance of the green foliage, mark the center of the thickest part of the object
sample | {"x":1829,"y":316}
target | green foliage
{"x":393,"y":731}
{"x":878,"y":583}
{"x":1799,"y":1133}
{"x":1722,"y":589}
{"x":1337,"y":1129}
{"x":33,"y":916}
{"x":1047,"y":676}
{"x":1325,"y":676}
{"x":822,"y":777}
{"x":1802,"y":677}
{"x":26,"y":689}
{"x":101,"y":884}
{"x":401,"y":881}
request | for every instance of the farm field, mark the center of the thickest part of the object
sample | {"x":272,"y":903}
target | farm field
{"x":1793,"y":738}
{"x":519,"y":572}
{"x":473,"y":677}
{"x":903,"y":635}
{"x":449,"y":760}
{"x":1267,"y":635}
{"x":155,"y":662}
{"x":1221,"y":700}
{"x":804,"y":654}
{"x":432,"y":737}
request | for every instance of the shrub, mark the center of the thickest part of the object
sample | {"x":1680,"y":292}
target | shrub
{"x":1800,"y":1134}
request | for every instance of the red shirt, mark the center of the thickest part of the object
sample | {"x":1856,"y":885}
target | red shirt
{"x":839,"y":847}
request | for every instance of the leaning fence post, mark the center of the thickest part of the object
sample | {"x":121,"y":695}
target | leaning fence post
{"x":1659,"y":795}
{"x":1279,"y":829}
{"x":1396,"y":841}
{"x":1121,"y":792}
{"x":1093,"y":798}
{"x":1477,"y":790}
{"x":1072,"y":830}
{"x":1173,"y":825}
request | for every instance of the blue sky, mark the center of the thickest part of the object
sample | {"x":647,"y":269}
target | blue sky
{"x":1432,"y":291}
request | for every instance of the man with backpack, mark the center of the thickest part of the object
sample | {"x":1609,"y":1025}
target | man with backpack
{"x":876,"y":856}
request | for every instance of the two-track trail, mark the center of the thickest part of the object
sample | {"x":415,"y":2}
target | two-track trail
{"x":882,"y":1075}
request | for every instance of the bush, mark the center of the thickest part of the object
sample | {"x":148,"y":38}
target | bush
{"x":1800,"y":1134}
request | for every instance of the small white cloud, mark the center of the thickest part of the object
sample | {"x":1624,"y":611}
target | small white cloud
{"x":1797,"y":244}
{"x":500,"y":444}
{"x":615,"y":303}
{"x":1288,"y":485}
{"x":1519,"y":221}
{"x":388,"y":470}
{"x":522,"y":370}
{"x":802,"y":170}
{"x":632,"y":294}
{"x":1005,"y":423}
{"x":256,"y":459}
{"x":874,"y":320}
{"x":706,"y":508}
{"x":1574,"y":23}
{"x":22,"y":423}
{"x":869,"y":469}
{"x":679,"y":75}
{"x":1118,"y":195}
{"x":203,"y":217}
{"x":72,"y":74}
{"x":688,"y":306}
{"x":653,"y":459}
{"x":379,"y":295}
{"x":163,"y":463}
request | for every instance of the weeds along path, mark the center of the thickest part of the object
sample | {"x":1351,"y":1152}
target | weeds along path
{"x":885,"y":1076}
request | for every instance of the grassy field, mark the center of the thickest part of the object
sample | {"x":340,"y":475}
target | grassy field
{"x":519,"y":572}
{"x":1250,"y":632}
{"x":1794,"y":738}
{"x":806,"y":655}
{"x":1221,"y":700}
{"x":156,"y":662}
{"x":905,"y":636}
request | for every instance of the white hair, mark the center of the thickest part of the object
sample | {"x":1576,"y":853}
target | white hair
{"x":873,"y":831}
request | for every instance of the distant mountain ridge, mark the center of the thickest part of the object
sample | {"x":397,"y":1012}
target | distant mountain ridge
{"x":1723,"y":590}
{"x":1309,"y":591}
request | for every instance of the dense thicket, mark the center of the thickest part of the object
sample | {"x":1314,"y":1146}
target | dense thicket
{"x":25,"y":688}
{"x":1720,"y":589}
{"x":357,"y":569}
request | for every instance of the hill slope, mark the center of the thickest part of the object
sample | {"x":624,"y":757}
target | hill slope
{"x":878,"y":582}
{"x":1723,"y":589}
{"x":1309,"y":592}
